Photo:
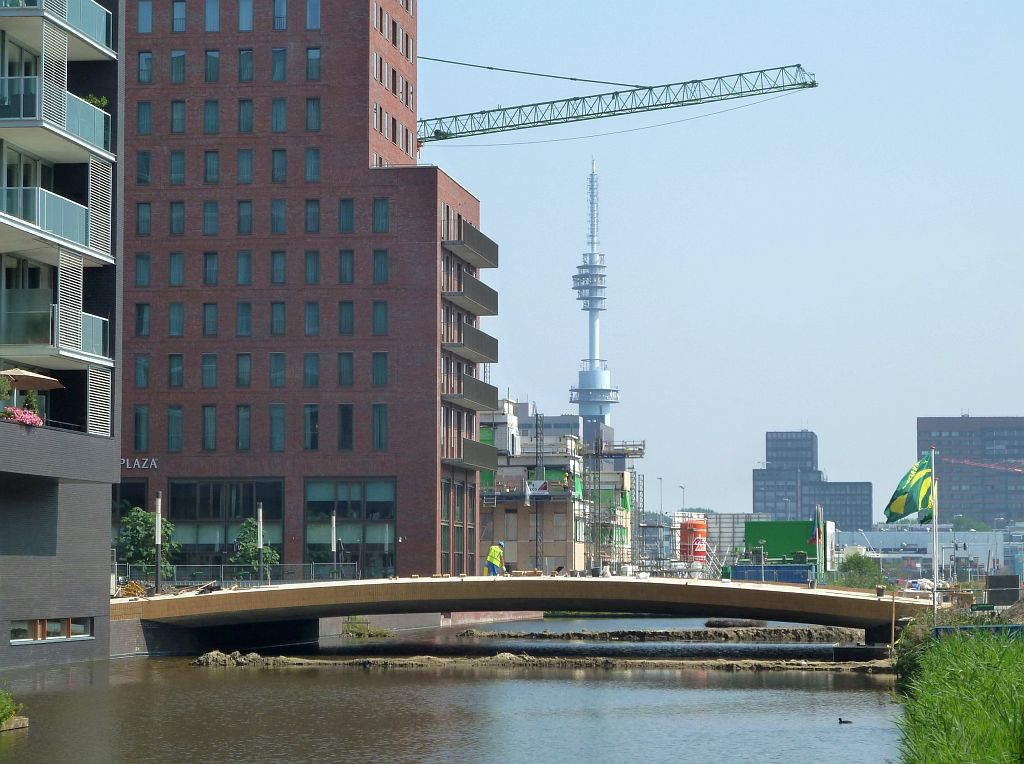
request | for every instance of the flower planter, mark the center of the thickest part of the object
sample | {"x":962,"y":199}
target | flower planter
{"x":21,"y":416}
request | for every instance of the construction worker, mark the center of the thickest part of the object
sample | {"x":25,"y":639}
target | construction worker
{"x":496,"y":559}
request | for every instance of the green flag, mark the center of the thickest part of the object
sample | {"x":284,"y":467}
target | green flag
{"x":913,"y":494}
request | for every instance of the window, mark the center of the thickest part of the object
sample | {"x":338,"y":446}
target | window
{"x":244,"y":160}
{"x":312,"y":114}
{"x":178,"y":16}
{"x":145,"y":66}
{"x":243,"y":428}
{"x":346,"y":318}
{"x":177,"y":66}
{"x":346,"y":266}
{"x":312,"y":165}
{"x":311,"y":319}
{"x":211,"y":167}
{"x":279,"y":64}
{"x":312,"y":14}
{"x":244,"y":115}
{"x":177,"y":116}
{"x":208,"y":365}
{"x":142,"y":269}
{"x":142,"y":319}
{"x":311,"y":370}
{"x":279,"y":115}
{"x":278,"y":165}
{"x":312,"y":216}
{"x":243,"y":268}
{"x":277,"y":319}
{"x":346,"y":369}
{"x":143,"y":218}
{"x":176,"y":269}
{"x":511,"y":525}
{"x":379,"y":373}
{"x":280,"y":14}
{"x":209,"y":428}
{"x":212,"y":68}
{"x":380,"y":215}
{"x":211,"y":218}
{"x":245,"y":15}
{"x":277,"y":267}
{"x":144,"y":17}
{"x":312,"y":266}
{"x":243,"y":370}
{"x":380,"y":266}
{"x":175,"y":436}
{"x":311,"y":427}
{"x":209,"y":319}
{"x":175,"y":319}
{"x":245,"y":66}
{"x":144,"y":118}
{"x":245,"y":217}
{"x":277,"y":361}
{"x":211,"y":117}
{"x":175,"y":370}
{"x":177,"y":168}
{"x":176,"y":218}
{"x":143,"y":168}
{"x":345,"y":426}
{"x":211,"y":268}
{"x":243,"y":319}
{"x":380,"y":317}
{"x":346,"y":215}
{"x":142,"y":371}
{"x":278,"y":216}
{"x":380,"y":426}
{"x":211,"y":20}
{"x":312,"y":63}
{"x":141,"y":427}
{"x":276,"y":427}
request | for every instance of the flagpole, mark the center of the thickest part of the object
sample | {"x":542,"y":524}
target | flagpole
{"x":935,"y":541}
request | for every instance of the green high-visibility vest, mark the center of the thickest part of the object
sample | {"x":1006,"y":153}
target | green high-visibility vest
{"x":494,"y":554}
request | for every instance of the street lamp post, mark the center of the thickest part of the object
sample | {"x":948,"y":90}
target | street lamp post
{"x":259,"y":537}
{"x":157,"y":537}
{"x":683,"y":489}
{"x":761,"y":543}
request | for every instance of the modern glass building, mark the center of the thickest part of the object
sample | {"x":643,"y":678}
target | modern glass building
{"x":59,"y":300}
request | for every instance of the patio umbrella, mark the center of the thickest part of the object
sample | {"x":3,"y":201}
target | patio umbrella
{"x":22,"y":379}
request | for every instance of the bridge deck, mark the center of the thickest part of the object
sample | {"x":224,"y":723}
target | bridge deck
{"x":683,"y":597}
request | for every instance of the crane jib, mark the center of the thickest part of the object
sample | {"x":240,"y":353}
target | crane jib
{"x":616,"y":103}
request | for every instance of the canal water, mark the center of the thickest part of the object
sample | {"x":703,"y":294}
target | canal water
{"x":165,"y":710}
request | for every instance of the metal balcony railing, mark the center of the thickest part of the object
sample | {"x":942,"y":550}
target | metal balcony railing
{"x":473,"y":296}
{"x":38,"y":326}
{"x":472,"y":393}
{"x":88,"y":122}
{"x":49,"y":211}
{"x":88,"y":17}
{"x":473,"y":247}
{"x":20,"y":99}
{"x":468,"y":342}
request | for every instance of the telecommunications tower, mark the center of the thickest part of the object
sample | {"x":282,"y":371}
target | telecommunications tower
{"x":594,"y":394}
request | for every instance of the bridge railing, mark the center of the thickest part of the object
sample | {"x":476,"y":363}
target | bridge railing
{"x":239,"y":575}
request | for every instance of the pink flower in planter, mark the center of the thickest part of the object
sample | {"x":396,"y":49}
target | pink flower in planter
{"x":22,"y":416}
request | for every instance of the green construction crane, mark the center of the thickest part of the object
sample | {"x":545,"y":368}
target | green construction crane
{"x":761,"y":82}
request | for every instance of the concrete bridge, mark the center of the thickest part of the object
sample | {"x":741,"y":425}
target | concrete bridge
{"x":291,"y":612}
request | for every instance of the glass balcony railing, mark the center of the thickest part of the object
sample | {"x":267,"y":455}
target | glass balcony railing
{"x":90,"y":18}
{"x":54,"y":214}
{"x":19,"y":100}
{"x":86,"y":121}
{"x":35,"y":322}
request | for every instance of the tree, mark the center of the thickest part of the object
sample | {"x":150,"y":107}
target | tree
{"x":860,"y":571}
{"x":965,"y":523}
{"x":136,"y":541}
{"x":248,"y":552}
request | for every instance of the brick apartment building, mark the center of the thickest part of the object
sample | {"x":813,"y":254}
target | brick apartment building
{"x":302,"y":301}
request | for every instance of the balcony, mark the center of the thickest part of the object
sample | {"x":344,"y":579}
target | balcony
{"x":473,"y":394}
{"x":20,"y":99}
{"x":29,"y":332}
{"x":48,"y":211}
{"x":475,"y":248}
{"x":474,"y":296}
{"x":473,"y":456}
{"x":469,"y":343}
{"x":89,"y":19}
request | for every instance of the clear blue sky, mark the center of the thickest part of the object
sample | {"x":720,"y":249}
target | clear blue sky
{"x":843,"y":259}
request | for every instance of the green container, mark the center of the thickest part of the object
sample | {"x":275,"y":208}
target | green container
{"x":727,"y":572}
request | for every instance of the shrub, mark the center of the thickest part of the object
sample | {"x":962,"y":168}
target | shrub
{"x":8,"y":708}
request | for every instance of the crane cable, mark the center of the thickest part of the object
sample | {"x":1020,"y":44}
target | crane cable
{"x":613,"y":132}
{"x":530,"y":74}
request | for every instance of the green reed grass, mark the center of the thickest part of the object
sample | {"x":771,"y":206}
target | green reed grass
{"x":966,"y":702}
